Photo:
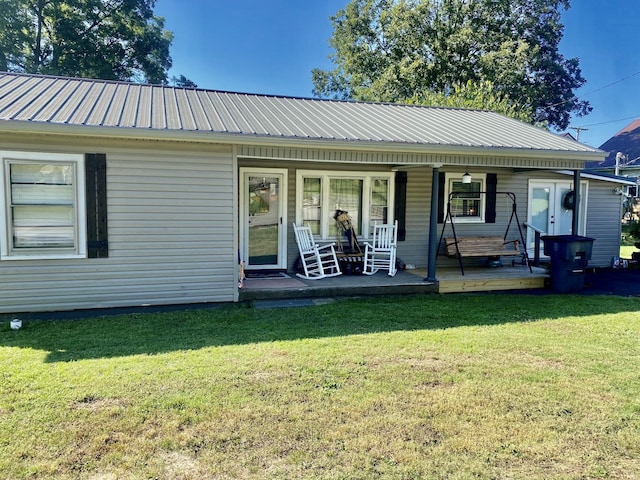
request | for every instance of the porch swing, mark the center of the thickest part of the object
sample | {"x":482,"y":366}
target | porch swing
{"x":483,"y":246}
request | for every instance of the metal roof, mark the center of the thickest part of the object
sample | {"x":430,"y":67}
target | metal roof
{"x":605,"y":177}
{"x":73,"y":102}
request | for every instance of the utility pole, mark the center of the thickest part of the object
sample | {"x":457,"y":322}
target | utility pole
{"x":578,"y":130}
{"x":620,"y":157}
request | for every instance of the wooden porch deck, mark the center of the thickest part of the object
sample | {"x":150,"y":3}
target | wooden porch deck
{"x":405,"y":282}
{"x":483,"y":279}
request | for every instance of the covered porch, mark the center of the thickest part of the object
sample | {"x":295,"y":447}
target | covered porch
{"x":450,"y":280}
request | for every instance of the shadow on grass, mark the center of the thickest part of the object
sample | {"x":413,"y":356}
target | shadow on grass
{"x":155,"y":333}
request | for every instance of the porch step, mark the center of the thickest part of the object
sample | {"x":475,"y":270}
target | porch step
{"x":483,"y":284}
{"x":405,"y":282}
{"x":349,"y":290}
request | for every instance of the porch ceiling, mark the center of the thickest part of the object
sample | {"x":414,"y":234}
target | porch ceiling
{"x":408,"y":160}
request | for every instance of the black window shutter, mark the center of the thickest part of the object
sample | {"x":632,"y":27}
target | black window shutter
{"x":96,"y":196}
{"x":441,"y":201}
{"x":400,"y":204}
{"x":492,"y":187}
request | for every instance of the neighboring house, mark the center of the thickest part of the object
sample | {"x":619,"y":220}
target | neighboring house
{"x":569,"y":136}
{"x":116,"y":194}
{"x":623,"y":156}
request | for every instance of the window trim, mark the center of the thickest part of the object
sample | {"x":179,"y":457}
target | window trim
{"x":7,"y":251}
{"x":326,"y":175}
{"x":477,"y":177}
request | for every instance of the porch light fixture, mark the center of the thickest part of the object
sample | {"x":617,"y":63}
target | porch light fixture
{"x":466,"y":178}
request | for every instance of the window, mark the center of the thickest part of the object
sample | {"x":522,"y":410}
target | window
{"x":43,"y":212}
{"x":311,"y":203}
{"x":366,"y":196}
{"x":379,"y":200}
{"x":346,"y":194}
{"x":470,"y":204}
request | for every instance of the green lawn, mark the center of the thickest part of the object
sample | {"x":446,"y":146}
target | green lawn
{"x":626,"y":251}
{"x":431,"y":387}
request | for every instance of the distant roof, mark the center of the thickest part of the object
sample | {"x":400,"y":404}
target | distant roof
{"x":626,"y":141}
{"x":605,"y":177}
{"x":71,"y":102}
{"x":567,"y":135}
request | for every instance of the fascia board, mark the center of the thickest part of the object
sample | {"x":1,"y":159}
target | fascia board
{"x":592,"y":176}
{"x":247,"y":139}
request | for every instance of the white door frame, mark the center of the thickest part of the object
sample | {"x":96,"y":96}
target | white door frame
{"x":556,"y":210}
{"x":245,"y":173}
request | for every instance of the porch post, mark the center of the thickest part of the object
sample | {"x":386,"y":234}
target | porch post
{"x":433,"y":225}
{"x":576,"y":203}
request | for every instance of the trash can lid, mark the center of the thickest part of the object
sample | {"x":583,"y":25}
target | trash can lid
{"x":567,"y":238}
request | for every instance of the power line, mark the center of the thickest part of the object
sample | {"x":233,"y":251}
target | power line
{"x":611,"y":84}
{"x":610,"y":121}
{"x":575,"y":97}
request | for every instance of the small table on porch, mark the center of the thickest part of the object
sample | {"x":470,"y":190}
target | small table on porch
{"x":351,"y":263}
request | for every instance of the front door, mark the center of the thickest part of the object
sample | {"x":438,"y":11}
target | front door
{"x":548,"y":210}
{"x":263,"y":222}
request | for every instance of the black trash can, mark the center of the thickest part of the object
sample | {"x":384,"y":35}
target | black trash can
{"x":568,"y":255}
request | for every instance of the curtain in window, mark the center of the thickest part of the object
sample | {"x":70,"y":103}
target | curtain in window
{"x":346,"y":194}
{"x":42,"y":205}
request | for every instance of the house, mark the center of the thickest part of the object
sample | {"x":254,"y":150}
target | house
{"x":622,"y":151}
{"x":116,"y":194}
{"x":623,"y":157}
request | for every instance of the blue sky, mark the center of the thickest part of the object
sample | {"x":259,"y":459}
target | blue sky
{"x":271,"y":47}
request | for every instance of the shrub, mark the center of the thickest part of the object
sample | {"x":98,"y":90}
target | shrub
{"x":634,"y":229}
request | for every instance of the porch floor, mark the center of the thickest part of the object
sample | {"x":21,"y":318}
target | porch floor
{"x":450,"y":280}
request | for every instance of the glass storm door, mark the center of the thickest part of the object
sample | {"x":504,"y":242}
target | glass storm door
{"x":263,"y":222}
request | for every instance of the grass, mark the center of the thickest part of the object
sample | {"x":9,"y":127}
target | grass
{"x":627,"y":242}
{"x":626,"y":251}
{"x":460,"y":386}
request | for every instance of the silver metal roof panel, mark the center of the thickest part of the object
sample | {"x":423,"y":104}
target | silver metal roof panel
{"x":84,"y":102}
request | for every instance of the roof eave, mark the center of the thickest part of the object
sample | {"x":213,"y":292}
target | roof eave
{"x":230,"y":138}
{"x":603,"y":178}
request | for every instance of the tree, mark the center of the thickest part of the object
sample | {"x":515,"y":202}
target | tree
{"x":479,"y":95}
{"x":12,"y":34}
{"x":107,"y":39}
{"x":183,"y":81}
{"x":445,"y":50}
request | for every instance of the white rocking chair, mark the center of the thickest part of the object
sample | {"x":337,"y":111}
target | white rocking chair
{"x":317,"y":261}
{"x":381,"y":253}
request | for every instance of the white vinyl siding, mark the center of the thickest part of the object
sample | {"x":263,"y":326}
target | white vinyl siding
{"x":171,"y":240}
{"x":414,"y":250}
{"x":604,"y":213}
{"x":506,"y":182}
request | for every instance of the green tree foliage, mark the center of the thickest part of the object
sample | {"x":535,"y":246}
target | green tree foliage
{"x":183,"y":81}
{"x":497,"y":54}
{"x":107,"y":39}
{"x":12,"y":34}
{"x":479,"y":95}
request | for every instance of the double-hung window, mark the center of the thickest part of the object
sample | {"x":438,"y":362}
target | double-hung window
{"x":366,"y":196}
{"x":43,"y":213}
{"x":469,"y":202}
